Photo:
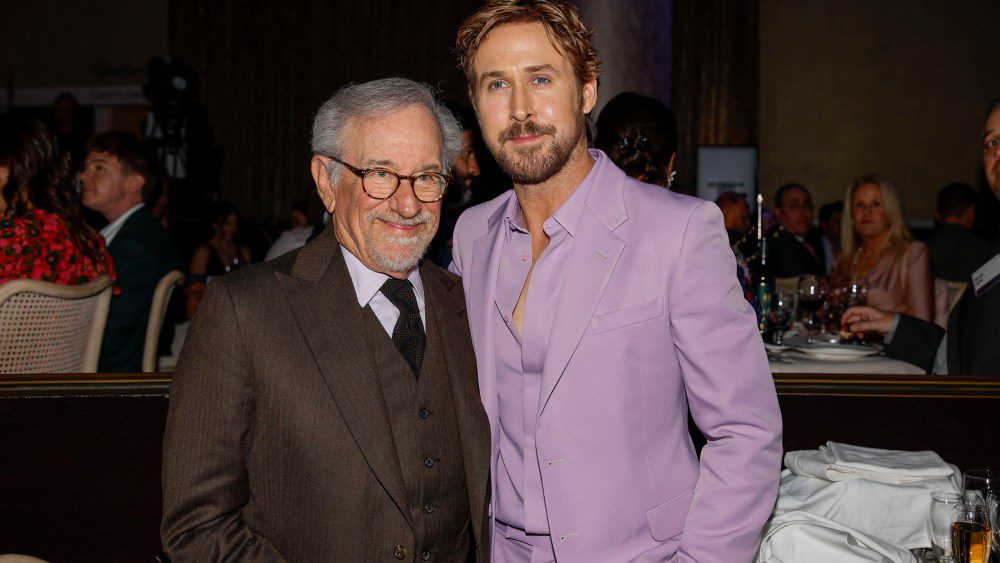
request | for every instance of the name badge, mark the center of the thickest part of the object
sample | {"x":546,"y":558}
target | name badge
{"x":986,"y":276}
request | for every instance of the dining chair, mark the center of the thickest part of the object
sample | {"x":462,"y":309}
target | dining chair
{"x":52,"y":328}
{"x":157,"y":312}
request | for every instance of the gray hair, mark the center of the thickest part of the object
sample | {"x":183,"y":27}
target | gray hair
{"x":375,"y":99}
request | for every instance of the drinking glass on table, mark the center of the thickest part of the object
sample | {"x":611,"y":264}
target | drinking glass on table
{"x":780,"y":314}
{"x":946,"y":506}
{"x":982,"y":486}
{"x":812,"y":297}
{"x":971,"y":536}
{"x":854,"y":293}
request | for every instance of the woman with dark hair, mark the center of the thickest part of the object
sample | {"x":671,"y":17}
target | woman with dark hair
{"x":640,"y":135}
{"x":220,"y":254}
{"x":43,"y":235}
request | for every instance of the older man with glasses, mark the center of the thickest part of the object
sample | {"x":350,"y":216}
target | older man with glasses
{"x":325,"y":406}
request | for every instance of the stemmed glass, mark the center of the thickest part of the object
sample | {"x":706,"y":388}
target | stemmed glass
{"x":854,"y":293}
{"x":982,"y":486}
{"x":946,"y":507}
{"x":780,"y":314}
{"x":812,"y":296}
{"x":971,"y":536}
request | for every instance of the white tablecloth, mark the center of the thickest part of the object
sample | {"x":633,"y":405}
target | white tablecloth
{"x":797,"y":362}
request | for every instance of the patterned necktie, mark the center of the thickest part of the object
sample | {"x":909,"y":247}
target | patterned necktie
{"x":408,"y":334}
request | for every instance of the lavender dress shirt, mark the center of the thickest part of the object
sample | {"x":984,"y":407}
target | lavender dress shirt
{"x":520,"y":358}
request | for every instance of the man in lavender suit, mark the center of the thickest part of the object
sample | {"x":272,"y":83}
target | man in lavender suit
{"x":602,"y":309}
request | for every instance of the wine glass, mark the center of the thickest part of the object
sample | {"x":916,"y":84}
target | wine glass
{"x":971,"y":536}
{"x":982,"y":486}
{"x":780,"y":314}
{"x":854,"y":293}
{"x":944,"y":511}
{"x":812,"y":296}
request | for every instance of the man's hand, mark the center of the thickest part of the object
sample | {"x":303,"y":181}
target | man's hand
{"x":867,"y":319}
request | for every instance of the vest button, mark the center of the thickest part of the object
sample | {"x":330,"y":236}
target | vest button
{"x":429,"y":462}
{"x":424,"y":413}
{"x":429,"y":507}
{"x":425,"y":555}
{"x":399,"y":552}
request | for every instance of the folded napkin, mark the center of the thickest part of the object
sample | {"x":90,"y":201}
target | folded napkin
{"x":894,"y":513}
{"x":837,"y":462}
{"x":801,"y":537}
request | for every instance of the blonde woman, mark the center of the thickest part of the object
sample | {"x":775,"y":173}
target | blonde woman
{"x":877,"y":245}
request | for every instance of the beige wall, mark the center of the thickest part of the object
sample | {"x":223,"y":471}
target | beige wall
{"x":67,"y":43}
{"x":894,"y":87}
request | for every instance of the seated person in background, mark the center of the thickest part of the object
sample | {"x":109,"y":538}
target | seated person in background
{"x":304,"y":227}
{"x":970,"y":344}
{"x":955,"y":250}
{"x":790,"y":254}
{"x":118,"y":173}
{"x":878,"y":245}
{"x":220,"y":254}
{"x":827,"y":235}
{"x":43,"y":235}
{"x":735,"y":214}
{"x":640,"y":135}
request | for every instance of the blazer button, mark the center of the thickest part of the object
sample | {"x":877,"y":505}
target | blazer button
{"x":424,"y":413}
{"x":399,"y":552}
{"x":429,"y":462}
{"x":426,"y":556}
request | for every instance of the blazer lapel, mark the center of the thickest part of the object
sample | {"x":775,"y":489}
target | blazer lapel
{"x":596,"y":250}
{"x":322,"y":299}
{"x":448,"y":307}
{"x":484,"y":268}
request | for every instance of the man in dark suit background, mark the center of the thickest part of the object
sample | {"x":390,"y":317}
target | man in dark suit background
{"x":119,"y":173}
{"x":956,"y":251}
{"x":969,"y":346}
{"x":790,"y":253}
{"x":326,"y":406}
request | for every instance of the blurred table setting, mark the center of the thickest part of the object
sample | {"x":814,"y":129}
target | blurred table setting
{"x":848,"y":503}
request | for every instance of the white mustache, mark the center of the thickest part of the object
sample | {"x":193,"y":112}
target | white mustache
{"x":419,"y":219}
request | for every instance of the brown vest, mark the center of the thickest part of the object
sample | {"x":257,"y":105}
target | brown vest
{"x":425,"y":432}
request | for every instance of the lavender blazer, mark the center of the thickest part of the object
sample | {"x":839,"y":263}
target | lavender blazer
{"x":651,"y":322}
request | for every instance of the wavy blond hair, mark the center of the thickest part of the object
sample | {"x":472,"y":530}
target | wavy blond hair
{"x":899,"y":233}
{"x":562,"y":25}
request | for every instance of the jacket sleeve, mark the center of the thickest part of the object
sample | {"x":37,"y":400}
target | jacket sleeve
{"x":731,"y":396}
{"x":915,"y":341}
{"x":209,"y":426}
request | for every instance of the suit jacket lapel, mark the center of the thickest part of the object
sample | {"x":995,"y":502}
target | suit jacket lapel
{"x":447,"y":305}
{"x":484,"y":267}
{"x":322,"y":299}
{"x":595,"y":252}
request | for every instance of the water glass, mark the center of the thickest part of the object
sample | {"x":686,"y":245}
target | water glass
{"x":780,"y":314}
{"x":946,"y":507}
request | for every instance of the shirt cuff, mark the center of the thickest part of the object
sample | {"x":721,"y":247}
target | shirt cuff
{"x":892,"y":330}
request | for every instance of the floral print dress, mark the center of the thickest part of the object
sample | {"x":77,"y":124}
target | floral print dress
{"x":40,"y":246}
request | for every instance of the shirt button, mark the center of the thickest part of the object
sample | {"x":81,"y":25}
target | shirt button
{"x":399,"y":552}
{"x":429,"y":462}
{"x":424,"y":413}
{"x":425,"y":555}
{"x":506,"y":319}
{"x":429,"y":507}
{"x":524,"y":258}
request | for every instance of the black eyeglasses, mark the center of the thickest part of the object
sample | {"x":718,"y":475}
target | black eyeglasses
{"x":381,"y":183}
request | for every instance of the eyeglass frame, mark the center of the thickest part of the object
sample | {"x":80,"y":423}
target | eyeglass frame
{"x":362,"y":172}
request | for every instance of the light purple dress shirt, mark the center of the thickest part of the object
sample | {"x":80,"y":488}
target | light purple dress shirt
{"x":520,"y":359}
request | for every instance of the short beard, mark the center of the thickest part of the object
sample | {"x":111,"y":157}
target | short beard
{"x":379,"y":242}
{"x":537,"y":164}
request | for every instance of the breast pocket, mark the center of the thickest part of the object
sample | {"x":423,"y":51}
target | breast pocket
{"x":628,"y":316}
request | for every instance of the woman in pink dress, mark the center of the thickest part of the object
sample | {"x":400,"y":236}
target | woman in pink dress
{"x":877,"y":245}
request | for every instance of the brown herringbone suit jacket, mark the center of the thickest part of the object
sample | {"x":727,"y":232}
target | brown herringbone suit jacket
{"x":278,"y":444}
